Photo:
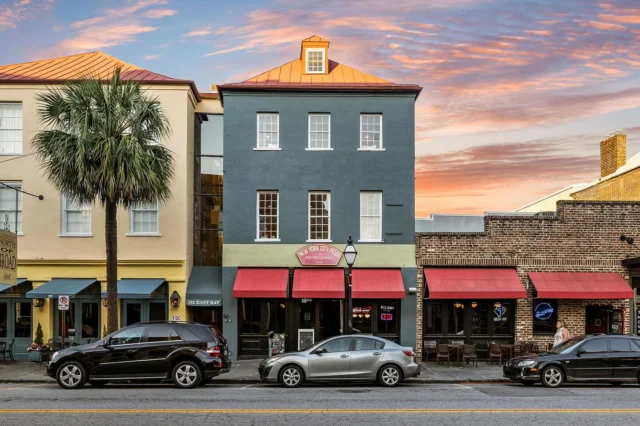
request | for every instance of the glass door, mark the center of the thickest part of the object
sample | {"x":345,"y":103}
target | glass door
{"x":131,"y":313}
{"x":89,"y":322}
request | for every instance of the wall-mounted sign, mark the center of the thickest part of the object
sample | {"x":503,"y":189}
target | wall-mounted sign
{"x":8,"y":257}
{"x":203,"y":302}
{"x":319,"y":255}
{"x":543,"y":311}
{"x":176,"y":317}
{"x":387,"y":308}
{"x":306,"y":338}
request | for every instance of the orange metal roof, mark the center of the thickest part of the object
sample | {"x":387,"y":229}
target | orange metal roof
{"x":93,"y":64}
{"x":316,"y":38}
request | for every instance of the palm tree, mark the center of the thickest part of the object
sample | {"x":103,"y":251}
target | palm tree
{"x":100,"y":145}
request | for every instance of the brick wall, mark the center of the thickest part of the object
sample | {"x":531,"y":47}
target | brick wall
{"x":582,"y":237}
{"x":613,"y":153}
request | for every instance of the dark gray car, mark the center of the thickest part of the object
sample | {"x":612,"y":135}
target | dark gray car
{"x":354,"y":357}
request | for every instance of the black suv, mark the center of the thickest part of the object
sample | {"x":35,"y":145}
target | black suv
{"x":189,"y":354}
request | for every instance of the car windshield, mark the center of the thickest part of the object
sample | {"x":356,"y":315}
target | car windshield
{"x":563,"y":348}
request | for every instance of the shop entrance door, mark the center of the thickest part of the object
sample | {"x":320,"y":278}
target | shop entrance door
{"x":81,"y":323}
{"x":329,"y":318}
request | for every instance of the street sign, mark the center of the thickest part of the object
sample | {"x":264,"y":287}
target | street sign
{"x":8,"y":257}
{"x":63,"y":303}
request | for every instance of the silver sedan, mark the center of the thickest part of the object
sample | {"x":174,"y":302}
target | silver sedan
{"x":353,"y":357}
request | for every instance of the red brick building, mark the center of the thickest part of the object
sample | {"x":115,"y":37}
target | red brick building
{"x":515,"y":279}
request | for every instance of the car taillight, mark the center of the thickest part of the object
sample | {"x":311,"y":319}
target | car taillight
{"x":214,"y":351}
{"x":409,"y":352}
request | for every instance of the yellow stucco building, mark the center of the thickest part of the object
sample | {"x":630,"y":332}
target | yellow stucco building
{"x":61,"y":246}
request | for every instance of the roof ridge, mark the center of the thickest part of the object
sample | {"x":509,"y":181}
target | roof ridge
{"x":51,"y":59}
{"x":101,"y":53}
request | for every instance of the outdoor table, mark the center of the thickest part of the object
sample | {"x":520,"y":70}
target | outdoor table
{"x":458,"y":349}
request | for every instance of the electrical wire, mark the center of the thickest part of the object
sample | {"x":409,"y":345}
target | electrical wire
{"x":39,"y":197}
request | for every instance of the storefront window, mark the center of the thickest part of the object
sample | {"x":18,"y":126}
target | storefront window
{"x":90,"y":320}
{"x":502,"y":318}
{"x":545,"y":316}
{"x":261,"y":317}
{"x":479,"y":318}
{"x":23,"y":319}
{"x":157,"y":311}
{"x":4,"y":319}
{"x":362,"y":318}
{"x":276,"y":316}
{"x":433,"y":318}
{"x":387,"y":318}
{"x":455,"y":323}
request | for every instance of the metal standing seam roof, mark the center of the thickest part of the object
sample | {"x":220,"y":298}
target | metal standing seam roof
{"x":137,"y":288}
{"x":92,"y":64}
{"x":61,"y":287}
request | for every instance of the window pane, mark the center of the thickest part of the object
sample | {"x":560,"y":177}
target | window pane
{"x":595,"y":346}
{"x":371,"y":131}
{"x":23,"y":319}
{"x":387,"y":318}
{"x":90,"y":320}
{"x":370,"y":216}
{"x":620,"y":345}
{"x":363,"y":344}
{"x":455,"y":322}
{"x":8,"y":198}
{"x":545,"y":314}
{"x":362,"y":317}
{"x":267,"y":215}
{"x":144,"y":217}
{"x":128,"y":336}
{"x":159,"y":333}
{"x":267,"y":131}
{"x":479,"y":318}
{"x":502,"y":318}
{"x":315,"y":61}
{"x":433,"y":318}
{"x":319,"y":131}
{"x":212,"y":135}
{"x":341,"y":344}
{"x":10,"y":129}
{"x":319,"y":208}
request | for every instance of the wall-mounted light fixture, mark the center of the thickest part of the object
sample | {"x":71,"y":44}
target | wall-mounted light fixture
{"x":38,"y":303}
{"x":175,"y":299}
{"x":104,"y":301}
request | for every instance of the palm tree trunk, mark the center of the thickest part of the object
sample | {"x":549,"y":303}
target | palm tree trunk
{"x":111,"y":237}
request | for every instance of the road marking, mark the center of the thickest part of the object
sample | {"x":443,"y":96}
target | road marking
{"x":129,"y":411}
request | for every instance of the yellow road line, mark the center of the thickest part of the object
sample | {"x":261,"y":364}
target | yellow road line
{"x":321,"y":411}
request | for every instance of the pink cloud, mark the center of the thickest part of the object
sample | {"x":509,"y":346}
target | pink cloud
{"x":100,"y":37}
{"x":159,"y":13}
{"x":200,"y":32}
{"x":150,"y":57}
{"x":605,"y":26}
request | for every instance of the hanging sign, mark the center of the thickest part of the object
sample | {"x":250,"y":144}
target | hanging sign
{"x":8,"y":257}
{"x":319,"y":255}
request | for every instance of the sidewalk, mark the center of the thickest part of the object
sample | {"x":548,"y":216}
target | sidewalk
{"x":246,"y":371}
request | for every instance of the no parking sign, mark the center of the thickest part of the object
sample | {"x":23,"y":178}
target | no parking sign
{"x":63,"y":303}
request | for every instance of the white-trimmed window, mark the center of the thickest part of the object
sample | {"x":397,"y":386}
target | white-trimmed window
{"x":11,"y":206}
{"x":267,"y":212}
{"x":76,"y":218}
{"x":315,"y":61}
{"x":10,"y":128}
{"x":371,"y":132}
{"x":144,"y":219}
{"x":319,"y":216}
{"x":319,"y":131}
{"x":370,"y":216}
{"x":268,"y":131}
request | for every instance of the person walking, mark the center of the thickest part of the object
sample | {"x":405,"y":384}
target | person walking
{"x":562,"y":335}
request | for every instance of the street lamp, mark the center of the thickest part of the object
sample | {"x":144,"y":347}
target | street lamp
{"x":349,"y":254}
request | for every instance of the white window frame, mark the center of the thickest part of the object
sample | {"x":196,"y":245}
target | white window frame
{"x":19,"y":213}
{"x":309,"y":147}
{"x":324,"y":59}
{"x":65,"y":210}
{"x":309,"y":239}
{"x":258,"y":239}
{"x":17,"y":152}
{"x":361,"y":216}
{"x":365,"y":148}
{"x":258,"y":147}
{"x":133,"y":233}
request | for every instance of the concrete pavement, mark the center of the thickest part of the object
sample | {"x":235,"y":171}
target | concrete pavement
{"x":246,"y":371}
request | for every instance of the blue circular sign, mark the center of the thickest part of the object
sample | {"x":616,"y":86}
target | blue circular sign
{"x":543,"y":311}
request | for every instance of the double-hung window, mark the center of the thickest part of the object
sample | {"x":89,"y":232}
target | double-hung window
{"x":319,"y":131}
{"x":371,"y":132}
{"x":11,"y":206}
{"x":268,"y":131}
{"x":315,"y":61}
{"x":319,"y":216}
{"x":370,"y":216}
{"x":10,"y":129}
{"x":144,"y":219}
{"x":267,"y":212}
{"x":76,"y":218}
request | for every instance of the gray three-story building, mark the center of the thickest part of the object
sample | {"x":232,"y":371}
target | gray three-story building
{"x":316,"y":152}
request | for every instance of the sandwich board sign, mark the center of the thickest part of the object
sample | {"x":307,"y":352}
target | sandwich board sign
{"x":63,"y":303}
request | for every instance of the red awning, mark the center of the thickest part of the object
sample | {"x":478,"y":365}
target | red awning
{"x":472,"y":283}
{"x":377,"y":284}
{"x":318,"y":284}
{"x":580,"y":285}
{"x":259,"y":283}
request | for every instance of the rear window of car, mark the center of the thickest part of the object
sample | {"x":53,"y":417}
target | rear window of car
{"x":379,"y":344}
{"x":202,"y":333}
{"x":620,"y":345}
{"x":635,"y":345}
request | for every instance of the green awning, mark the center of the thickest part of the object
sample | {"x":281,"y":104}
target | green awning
{"x":19,"y":281}
{"x":205,"y":286}
{"x":61,"y":287}
{"x":137,"y":288}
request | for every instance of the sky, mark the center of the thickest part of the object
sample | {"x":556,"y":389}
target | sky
{"x":517,"y":93}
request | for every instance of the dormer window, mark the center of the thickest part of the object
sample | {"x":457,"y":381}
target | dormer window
{"x":315,"y":61}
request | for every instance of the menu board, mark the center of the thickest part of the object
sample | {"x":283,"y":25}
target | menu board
{"x":276,"y":344}
{"x":306,"y":338}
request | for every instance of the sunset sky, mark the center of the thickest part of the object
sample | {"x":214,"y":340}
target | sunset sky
{"x":517,"y":94}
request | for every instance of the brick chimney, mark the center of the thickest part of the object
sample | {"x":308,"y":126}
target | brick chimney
{"x":613,"y":153}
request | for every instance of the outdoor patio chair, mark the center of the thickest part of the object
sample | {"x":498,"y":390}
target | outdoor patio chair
{"x":535,"y":348}
{"x":443,"y":352}
{"x":4,"y":350}
{"x":429,"y":347}
{"x":495,"y":352}
{"x":469,"y":354}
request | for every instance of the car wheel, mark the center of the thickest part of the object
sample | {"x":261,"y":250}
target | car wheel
{"x":71,"y":375}
{"x":389,"y":376}
{"x":527,"y":383}
{"x":186,"y":375}
{"x":97,"y":383}
{"x":552,"y":376}
{"x":291,"y":376}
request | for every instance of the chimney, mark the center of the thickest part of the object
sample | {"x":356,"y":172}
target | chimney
{"x":613,"y":153}
{"x":314,"y":53}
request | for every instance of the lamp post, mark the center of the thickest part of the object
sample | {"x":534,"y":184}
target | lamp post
{"x":350,"y":254}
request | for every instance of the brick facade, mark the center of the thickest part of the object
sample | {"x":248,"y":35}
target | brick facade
{"x":584,"y":236}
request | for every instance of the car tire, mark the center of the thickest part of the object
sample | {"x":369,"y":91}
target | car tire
{"x":71,"y":375}
{"x":527,"y":383}
{"x":552,"y":376}
{"x":97,"y":383}
{"x":186,"y":375}
{"x":389,"y":376}
{"x":291,"y":376}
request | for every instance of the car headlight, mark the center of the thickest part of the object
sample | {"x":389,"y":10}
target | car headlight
{"x":54,"y":356}
{"x":527,"y":363}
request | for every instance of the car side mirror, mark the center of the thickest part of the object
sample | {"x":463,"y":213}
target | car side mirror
{"x":317,"y":351}
{"x":580,"y":352}
{"x":107,"y":343}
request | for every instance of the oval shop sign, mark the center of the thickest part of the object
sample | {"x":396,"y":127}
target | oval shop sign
{"x":319,"y":255}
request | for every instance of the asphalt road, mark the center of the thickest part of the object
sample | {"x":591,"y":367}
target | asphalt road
{"x":320,"y":405}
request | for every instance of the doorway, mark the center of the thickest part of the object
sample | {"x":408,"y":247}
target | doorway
{"x":208,"y":316}
{"x":329,"y":321}
{"x":16,"y":322}
{"x":81,"y":323}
